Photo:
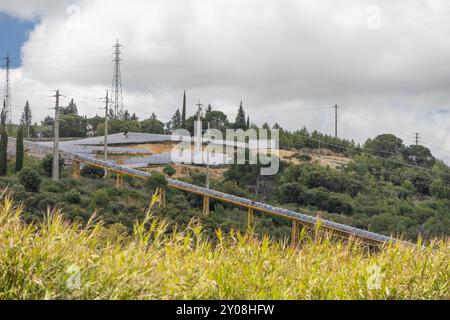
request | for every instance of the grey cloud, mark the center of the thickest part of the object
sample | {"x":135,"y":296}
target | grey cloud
{"x":275,"y":55}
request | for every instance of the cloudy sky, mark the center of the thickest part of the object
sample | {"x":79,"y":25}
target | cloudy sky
{"x":384,"y":62}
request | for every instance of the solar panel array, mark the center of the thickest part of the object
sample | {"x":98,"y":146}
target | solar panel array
{"x":309,"y":220}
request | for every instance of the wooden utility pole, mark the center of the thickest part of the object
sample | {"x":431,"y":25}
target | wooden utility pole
{"x":55,"y":169}
{"x":198,"y":144}
{"x":105,"y":147}
{"x":207,"y":159}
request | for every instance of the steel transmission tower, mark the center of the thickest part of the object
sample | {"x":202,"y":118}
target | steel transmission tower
{"x":116,"y":92}
{"x":7,"y":93}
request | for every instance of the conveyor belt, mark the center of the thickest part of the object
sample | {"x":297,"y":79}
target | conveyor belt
{"x":306,"y":220}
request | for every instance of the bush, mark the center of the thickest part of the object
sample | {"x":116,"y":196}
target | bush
{"x":30,"y":179}
{"x":90,"y":171}
{"x":169,"y":171}
{"x":156,"y":180}
{"x":47,"y":164}
{"x":100,"y":198}
{"x":53,"y":187}
{"x":72,"y":196}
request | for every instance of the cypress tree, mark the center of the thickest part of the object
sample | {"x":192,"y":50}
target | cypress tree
{"x":248,"y":122}
{"x":240,"y":122}
{"x":19,"y":149}
{"x":183,"y":113}
{"x":3,"y":143}
{"x":3,"y":152}
{"x":26,"y":117}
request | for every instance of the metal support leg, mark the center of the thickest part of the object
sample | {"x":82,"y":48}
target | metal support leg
{"x":119,"y":181}
{"x":295,"y":233}
{"x":76,"y":169}
{"x":205,"y":206}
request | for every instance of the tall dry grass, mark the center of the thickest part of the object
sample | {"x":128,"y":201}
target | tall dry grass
{"x":60,"y":260}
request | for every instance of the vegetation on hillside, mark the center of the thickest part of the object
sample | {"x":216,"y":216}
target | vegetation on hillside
{"x":388,"y":187}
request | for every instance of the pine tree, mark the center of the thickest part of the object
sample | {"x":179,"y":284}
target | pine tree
{"x":183,"y":112}
{"x":26,"y":118}
{"x":19,"y":150}
{"x":240,"y":122}
{"x":176,"y":120}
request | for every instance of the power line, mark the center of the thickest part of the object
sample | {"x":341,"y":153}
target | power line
{"x":379,"y":157}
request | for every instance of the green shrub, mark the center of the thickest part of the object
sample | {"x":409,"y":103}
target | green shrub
{"x":30,"y":179}
{"x":53,"y":187}
{"x":169,"y":171}
{"x":72,"y":196}
{"x":47,"y":164}
{"x":156,"y":180}
{"x":100,"y":198}
{"x":93,"y":172}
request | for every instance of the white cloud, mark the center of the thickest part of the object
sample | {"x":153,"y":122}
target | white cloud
{"x":275,"y":55}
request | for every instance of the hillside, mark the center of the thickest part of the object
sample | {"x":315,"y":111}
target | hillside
{"x":60,"y":260}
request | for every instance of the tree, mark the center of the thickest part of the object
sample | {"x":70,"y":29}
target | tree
{"x":419,"y":155}
{"x":126,"y":116}
{"x":240,"y":122}
{"x":156,"y":181}
{"x":169,"y":170}
{"x":248,"y":122}
{"x":3,"y":152}
{"x":72,"y":125}
{"x":439,"y":190}
{"x":175,"y":122}
{"x":384,"y":145}
{"x":30,"y":179}
{"x":71,"y":109}
{"x":93,"y":124}
{"x":47,"y":164}
{"x":3,"y":143}
{"x":217,"y":119}
{"x":152,"y":125}
{"x":19,"y":150}
{"x":183,"y":113}
{"x":27,"y":117}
